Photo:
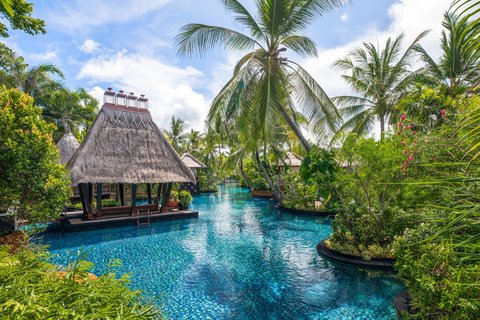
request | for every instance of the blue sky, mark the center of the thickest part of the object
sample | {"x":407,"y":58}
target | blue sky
{"x":129,"y":45}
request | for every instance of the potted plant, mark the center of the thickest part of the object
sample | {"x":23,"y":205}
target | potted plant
{"x":184,"y":199}
{"x":173,"y":202}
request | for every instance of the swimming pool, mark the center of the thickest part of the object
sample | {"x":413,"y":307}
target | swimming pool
{"x":241,"y":259}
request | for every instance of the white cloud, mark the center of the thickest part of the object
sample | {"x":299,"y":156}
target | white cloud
{"x":344,"y":17}
{"x":169,"y":89}
{"x":47,"y":56}
{"x":89,"y":46}
{"x":77,"y":15}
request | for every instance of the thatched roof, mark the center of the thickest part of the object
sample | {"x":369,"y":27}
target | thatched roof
{"x":291,"y":160}
{"x":191,"y":161}
{"x":124,"y":145}
{"x":67,"y":146}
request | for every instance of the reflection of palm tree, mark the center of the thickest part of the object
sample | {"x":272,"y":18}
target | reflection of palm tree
{"x":381,"y":77}
{"x":176,"y":133}
{"x":264,"y":82}
{"x":458,"y":66}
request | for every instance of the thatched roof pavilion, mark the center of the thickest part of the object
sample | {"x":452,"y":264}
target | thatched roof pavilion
{"x":195,"y":165}
{"x":192,"y":162}
{"x":67,"y":146}
{"x":291,"y":160}
{"x":125,"y":146}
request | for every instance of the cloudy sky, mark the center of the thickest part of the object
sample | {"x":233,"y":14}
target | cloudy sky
{"x":129,"y":45}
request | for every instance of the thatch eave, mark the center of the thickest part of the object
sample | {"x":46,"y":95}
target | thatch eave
{"x":124,"y":145}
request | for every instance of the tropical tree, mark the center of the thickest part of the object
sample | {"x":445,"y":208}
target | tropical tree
{"x":70,"y":111}
{"x":33,"y":185}
{"x":19,"y":15}
{"x":458,"y":66}
{"x":194,"y":142}
{"x":380,"y":77}
{"x":176,"y":133}
{"x":34,"y":81}
{"x":266,"y":84}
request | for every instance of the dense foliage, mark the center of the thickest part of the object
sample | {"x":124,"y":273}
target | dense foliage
{"x":32,"y":185}
{"x":33,"y":288}
{"x":18,"y":13}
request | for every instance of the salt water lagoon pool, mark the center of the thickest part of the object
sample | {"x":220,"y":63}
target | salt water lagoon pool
{"x":240,"y":259}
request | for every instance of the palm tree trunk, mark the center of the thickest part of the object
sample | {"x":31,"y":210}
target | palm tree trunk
{"x":276,"y":191}
{"x":249,"y":183}
{"x":296,"y":130}
{"x":382,"y":127}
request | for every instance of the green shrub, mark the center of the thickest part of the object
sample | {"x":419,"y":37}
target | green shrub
{"x":367,"y":188}
{"x":260,"y":184}
{"x":33,"y":288}
{"x":184,"y":198}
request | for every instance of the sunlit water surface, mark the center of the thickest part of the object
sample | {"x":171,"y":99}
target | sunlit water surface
{"x":241,"y":259}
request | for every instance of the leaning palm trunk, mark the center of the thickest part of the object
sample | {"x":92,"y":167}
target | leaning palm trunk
{"x":245,"y":178}
{"x":273,"y":186}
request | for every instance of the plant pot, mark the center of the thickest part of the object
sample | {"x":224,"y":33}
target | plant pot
{"x":172,"y":203}
{"x":182,"y":207}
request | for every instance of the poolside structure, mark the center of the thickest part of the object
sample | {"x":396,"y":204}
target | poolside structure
{"x":67,"y":146}
{"x":195,"y":165}
{"x":125,"y":148}
{"x":292,"y":161}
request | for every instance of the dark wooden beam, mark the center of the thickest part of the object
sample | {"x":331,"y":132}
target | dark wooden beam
{"x":159,"y":193}
{"x":134,"y":198}
{"x":81,"y":191}
{"x":99,"y":199}
{"x":166,"y":196}
{"x":121,"y":191}
{"x":149,"y":193}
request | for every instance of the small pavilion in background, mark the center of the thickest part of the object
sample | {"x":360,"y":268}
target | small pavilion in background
{"x":292,"y":161}
{"x":195,"y":165}
{"x":125,"y":148}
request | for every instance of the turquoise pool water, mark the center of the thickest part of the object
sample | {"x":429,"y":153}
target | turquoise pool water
{"x":241,"y":259}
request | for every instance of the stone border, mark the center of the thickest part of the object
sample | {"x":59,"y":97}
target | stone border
{"x":306,"y":212}
{"x":375,"y":263}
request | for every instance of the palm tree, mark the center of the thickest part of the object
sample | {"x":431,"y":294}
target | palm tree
{"x":194,"y":142}
{"x":267,"y":84}
{"x":380,"y":77}
{"x":70,"y":111}
{"x":458,"y":66}
{"x":34,"y":81}
{"x":176,"y":133}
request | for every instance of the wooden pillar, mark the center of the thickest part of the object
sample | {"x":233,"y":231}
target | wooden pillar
{"x":159,"y":194}
{"x":121,"y":191}
{"x":99,"y":199}
{"x":149,"y":193}
{"x":83,"y":198}
{"x":167,"y":188}
{"x":134,"y":198}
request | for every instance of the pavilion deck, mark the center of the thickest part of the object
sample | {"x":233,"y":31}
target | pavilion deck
{"x":78,"y":222}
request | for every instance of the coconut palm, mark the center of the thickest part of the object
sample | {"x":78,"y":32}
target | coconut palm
{"x":70,"y":111}
{"x":176,"y":133}
{"x":267,"y":84}
{"x":458,"y":66}
{"x":380,"y":77}
{"x":34,"y":80}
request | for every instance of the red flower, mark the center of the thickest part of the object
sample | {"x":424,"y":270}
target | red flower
{"x":403,"y":117}
{"x":443,"y":112}
{"x":404,"y":151}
